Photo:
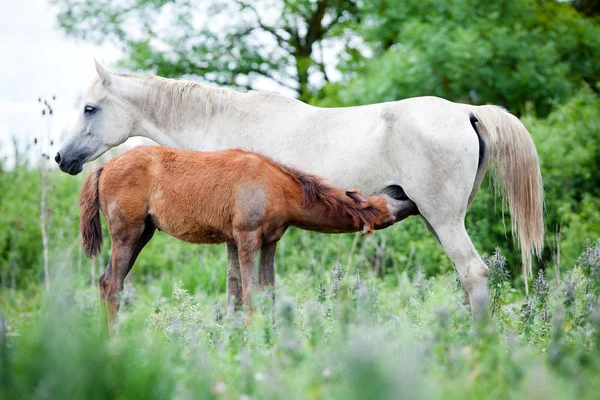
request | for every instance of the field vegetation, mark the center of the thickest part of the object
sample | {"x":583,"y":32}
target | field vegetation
{"x":357,"y":318}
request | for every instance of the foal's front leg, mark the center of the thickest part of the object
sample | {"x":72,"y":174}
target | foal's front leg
{"x":266,"y":271}
{"x":234,"y":278}
{"x":247,"y":245}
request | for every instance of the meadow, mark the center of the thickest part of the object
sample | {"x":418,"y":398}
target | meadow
{"x":332,"y":332}
{"x":380,"y":317}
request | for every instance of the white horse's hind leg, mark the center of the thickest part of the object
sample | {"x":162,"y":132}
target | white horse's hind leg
{"x":469,"y":266}
{"x":444,"y":216}
{"x":446,"y":173}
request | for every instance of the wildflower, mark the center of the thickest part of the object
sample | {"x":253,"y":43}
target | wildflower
{"x":322,"y":295}
{"x":219,"y":313}
{"x":338,"y":275}
{"x":541,"y":288}
{"x":219,"y":388}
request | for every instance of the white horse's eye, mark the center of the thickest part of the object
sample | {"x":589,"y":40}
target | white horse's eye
{"x":89,"y":109}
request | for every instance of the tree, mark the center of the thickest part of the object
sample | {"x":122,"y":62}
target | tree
{"x":232,"y":42}
{"x":523,"y":55}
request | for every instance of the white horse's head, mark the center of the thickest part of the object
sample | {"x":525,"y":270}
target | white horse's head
{"x":106,"y":120}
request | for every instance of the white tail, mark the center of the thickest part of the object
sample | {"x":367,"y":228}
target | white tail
{"x":515,"y":165}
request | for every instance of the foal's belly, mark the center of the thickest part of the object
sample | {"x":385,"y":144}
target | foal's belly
{"x":190,"y":232}
{"x":204,"y":236}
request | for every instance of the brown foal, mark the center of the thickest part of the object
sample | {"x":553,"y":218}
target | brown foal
{"x":231,"y":196}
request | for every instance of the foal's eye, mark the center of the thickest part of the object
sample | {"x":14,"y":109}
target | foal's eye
{"x":89,"y":109}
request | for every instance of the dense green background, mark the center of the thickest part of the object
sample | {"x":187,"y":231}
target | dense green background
{"x":540,"y":59}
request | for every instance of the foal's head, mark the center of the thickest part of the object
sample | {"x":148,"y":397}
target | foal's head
{"x":377,"y":212}
{"x":106,"y":120}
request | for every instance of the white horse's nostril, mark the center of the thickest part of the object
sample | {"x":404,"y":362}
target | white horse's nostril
{"x":57,"y":158}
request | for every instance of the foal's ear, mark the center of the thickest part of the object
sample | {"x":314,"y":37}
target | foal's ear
{"x":354,"y":195}
{"x":103,"y":73}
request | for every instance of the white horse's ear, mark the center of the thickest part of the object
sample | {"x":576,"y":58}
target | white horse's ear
{"x":103,"y":73}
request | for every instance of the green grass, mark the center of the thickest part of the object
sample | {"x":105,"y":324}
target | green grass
{"x":333,"y":335}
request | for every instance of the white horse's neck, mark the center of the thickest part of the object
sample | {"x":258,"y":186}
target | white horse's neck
{"x":197,"y":116}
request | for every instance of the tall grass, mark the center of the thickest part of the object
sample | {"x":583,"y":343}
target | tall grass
{"x":346,"y":335}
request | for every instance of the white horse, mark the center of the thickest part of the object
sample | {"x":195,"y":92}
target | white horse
{"x":426,"y":149}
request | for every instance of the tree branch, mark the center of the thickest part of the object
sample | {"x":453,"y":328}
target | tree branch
{"x":315,"y":25}
{"x":284,"y":43}
{"x":322,"y":63}
{"x":278,"y":81}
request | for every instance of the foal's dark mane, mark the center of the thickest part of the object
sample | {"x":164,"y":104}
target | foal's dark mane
{"x":314,"y":188}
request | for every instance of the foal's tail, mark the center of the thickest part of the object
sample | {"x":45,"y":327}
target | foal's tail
{"x":512,"y":153}
{"x":89,"y":215}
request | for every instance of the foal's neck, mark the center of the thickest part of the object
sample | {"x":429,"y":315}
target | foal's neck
{"x":320,"y":218}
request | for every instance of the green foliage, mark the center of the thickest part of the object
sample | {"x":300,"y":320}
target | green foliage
{"x":498,"y":280}
{"x":523,"y":55}
{"x":526,"y":55}
{"x":587,"y":7}
{"x":19,"y":198}
{"x":569,"y":147}
{"x":589,"y":262}
{"x":20,"y":235}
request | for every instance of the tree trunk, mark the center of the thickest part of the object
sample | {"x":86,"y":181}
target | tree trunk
{"x":302,"y":65}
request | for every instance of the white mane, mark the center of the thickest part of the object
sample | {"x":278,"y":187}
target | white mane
{"x":167,"y":97}
{"x":164,"y":98}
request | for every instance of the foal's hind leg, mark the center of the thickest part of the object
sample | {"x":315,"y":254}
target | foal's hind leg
{"x":128,"y":242}
{"x":111,"y":282}
{"x":147,"y":234}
